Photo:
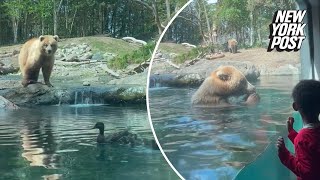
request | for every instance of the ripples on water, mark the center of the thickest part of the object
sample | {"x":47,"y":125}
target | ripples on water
{"x":58,"y":142}
{"x":215,"y":143}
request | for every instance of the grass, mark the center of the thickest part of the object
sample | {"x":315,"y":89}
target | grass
{"x":178,"y":49}
{"x":107,"y":44}
{"x":134,"y":57}
{"x":183,"y":53}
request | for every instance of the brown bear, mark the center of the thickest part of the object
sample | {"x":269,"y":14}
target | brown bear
{"x":232,"y":45}
{"x":224,"y":82}
{"x":36,"y":54}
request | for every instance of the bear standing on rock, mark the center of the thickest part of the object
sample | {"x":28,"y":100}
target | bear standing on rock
{"x":224,"y":82}
{"x":36,"y":54}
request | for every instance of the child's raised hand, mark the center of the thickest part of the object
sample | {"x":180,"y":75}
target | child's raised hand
{"x":280,"y":144}
{"x":290,"y":122}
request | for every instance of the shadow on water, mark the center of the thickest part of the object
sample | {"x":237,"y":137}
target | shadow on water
{"x":215,"y":143}
{"x":55,"y":142}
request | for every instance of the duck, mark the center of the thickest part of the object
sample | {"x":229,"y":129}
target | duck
{"x":122,"y":137}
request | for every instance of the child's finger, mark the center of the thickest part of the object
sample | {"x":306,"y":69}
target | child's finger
{"x":291,"y":120}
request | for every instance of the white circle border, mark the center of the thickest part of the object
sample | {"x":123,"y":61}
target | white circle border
{"x":148,"y":83}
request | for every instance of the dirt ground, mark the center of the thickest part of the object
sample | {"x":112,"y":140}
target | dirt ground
{"x":260,"y":56}
{"x":267,"y":62}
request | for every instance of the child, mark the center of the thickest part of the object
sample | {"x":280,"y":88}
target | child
{"x":306,"y":161}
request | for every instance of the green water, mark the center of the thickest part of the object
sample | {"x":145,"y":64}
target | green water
{"x":57,"y":142}
{"x":216,"y":143}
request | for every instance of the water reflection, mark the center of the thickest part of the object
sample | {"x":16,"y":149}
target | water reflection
{"x":57,"y":142}
{"x":215,"y":143}
{"x":37,"y":139}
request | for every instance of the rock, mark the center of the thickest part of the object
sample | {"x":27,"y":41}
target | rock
{"x":86,"y":83}
{"x":172,"y":55}
{"x":188,"y":45}
{"x":6,"y":104}
{"x":38,"y":94}
{"x":68,"y":51}
{"x":194,"y":75}
{"x":108,"y":56}
{"x":88,"y":49}
{"x":136,"y":79}
{"x":97,"y":56}
{"x":158,"y":55}
{"x":105,"y":68}
{"x":8,"y":69}
{"x":59,"y":56}
{"x":15,"y":52}
{"x":83,"y":46}
{"x":31,"y":95}
{"x":134,"y":40}
{"x":119,"y":95}
{"x":183,"y":80}
{"x":214,"y":56}
{"x":86,"y":56}
{"x":72,"y":58}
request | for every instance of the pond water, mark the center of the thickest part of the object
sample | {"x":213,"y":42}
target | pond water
{"x":57,"y":142}
{"x":215,"y":143}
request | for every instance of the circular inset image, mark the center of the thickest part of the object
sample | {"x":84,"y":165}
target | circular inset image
{"x":217,"y":98}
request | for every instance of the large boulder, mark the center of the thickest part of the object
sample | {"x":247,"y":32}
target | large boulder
{"x":194,"y":75}
{"x":38,"y":94}
{"x":6,"y":104}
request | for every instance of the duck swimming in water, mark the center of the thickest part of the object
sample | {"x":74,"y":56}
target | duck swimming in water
{"x":122,"y":137}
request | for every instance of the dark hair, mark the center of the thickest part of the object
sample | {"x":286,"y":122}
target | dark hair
{"x":307,"y":95}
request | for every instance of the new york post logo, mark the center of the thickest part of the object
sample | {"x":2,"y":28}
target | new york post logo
{"x":286,"y":30}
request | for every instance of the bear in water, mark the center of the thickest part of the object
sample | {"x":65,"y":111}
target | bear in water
{"x":223,"y":83}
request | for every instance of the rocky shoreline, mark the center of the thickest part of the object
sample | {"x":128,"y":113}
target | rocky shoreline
{"x":192,"y":73}
{"x":80,"y":76}
{"x":38,"y":94}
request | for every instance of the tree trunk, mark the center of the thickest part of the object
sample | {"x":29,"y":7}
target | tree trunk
{"x":156,"y":16}
{"x":168,"y":10}
{"x":56,"y":9}
{"x":42,"y":25}
{"x":15,"y":30}
{"x":251,"y":29}
{"x":200,"y":25}
{"x":55,"y":23}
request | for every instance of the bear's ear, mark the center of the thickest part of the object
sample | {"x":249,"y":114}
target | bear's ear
{"x":56,"y":37}
{"x":41,"y":38}
{"x":224,"y":77}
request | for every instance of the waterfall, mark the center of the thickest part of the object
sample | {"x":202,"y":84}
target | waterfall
{"x":87,"y":97}
{"x":76,"y":97}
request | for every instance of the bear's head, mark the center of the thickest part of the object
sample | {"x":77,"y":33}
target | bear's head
{"x":48,"y":44}
{"x":232,"y":42}
{"x":229,"y":81}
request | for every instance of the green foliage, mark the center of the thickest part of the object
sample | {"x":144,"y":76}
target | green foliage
{"x":231,"y":15}
{"x":138,"y":56}
{"x":197,"y":52}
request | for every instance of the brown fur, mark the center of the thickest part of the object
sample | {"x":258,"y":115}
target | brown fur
{"x":232,"y":45}
{"x":36,"y":54}
{"x":224,"y":82}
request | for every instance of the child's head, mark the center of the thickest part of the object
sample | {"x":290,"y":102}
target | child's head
{"x":306,"y":97}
